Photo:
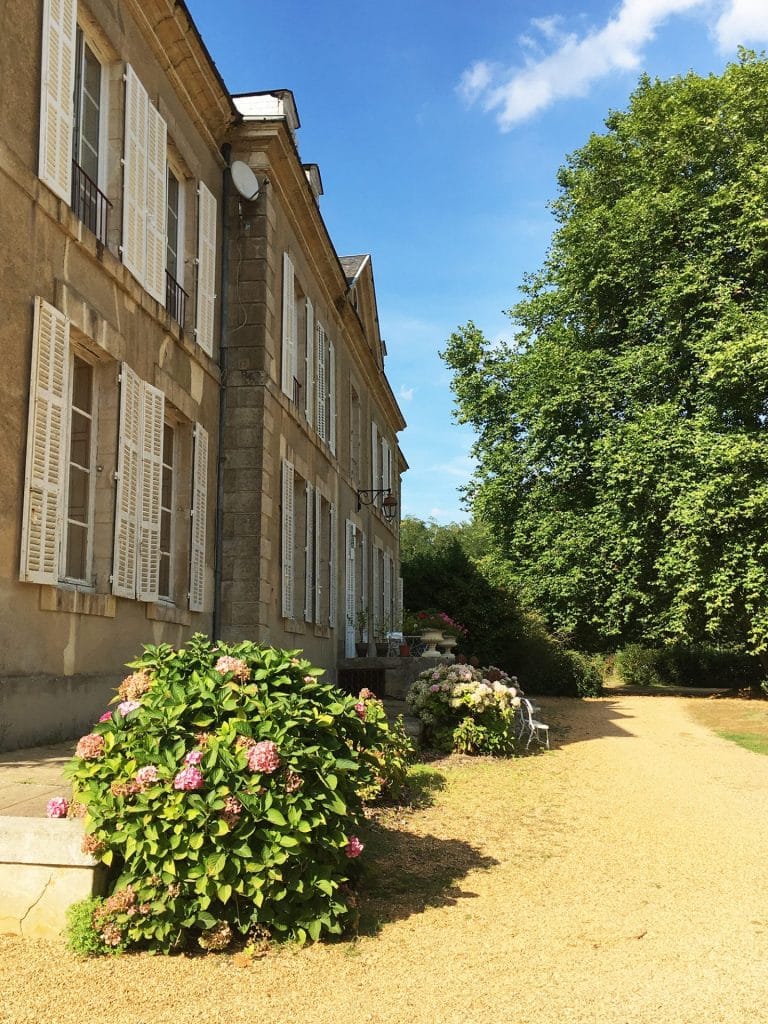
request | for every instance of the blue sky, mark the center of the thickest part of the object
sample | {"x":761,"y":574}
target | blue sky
{"x":439,"y":127}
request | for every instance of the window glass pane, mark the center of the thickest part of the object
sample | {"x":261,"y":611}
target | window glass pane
{"x":79,"y":513}
{"x":89,"y":103}
{"x":82,"y":386}
{"x":78,"y":495}
{"x":77,"y":552}
{"x":173,"y":225}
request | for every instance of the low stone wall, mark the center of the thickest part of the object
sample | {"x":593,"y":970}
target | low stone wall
{"x":397,"y":673}
{"x":46,"y":709}
{"x":42,"y":872}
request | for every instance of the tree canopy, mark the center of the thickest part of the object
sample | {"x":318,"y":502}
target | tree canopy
{"x":622,"y":435}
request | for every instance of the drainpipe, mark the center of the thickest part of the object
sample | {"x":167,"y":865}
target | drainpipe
{"x":226,"y":150}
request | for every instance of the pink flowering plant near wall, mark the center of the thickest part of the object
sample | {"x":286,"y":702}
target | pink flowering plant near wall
{"x":224,"y":791}
{"x":466,"y":709}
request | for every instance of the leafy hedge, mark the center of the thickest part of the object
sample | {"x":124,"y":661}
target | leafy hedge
{"x":225,"y":790}
{"x":691,"y":665}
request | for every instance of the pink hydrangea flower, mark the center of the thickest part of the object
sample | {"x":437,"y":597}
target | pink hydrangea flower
{"x":90,"y":747}
{"x":146,"y":776}
{"x":125,"y":707}
{"x":434,"y":688}
{"x":189,"y":778}
{"x":236,"y":666}
{"x":360,"y":709}
{"x":264,"y":757}
{"x":194,"y":757}
{"x":57,"y":807}
{"x":106,"y":716}
{"x":354,"y":847}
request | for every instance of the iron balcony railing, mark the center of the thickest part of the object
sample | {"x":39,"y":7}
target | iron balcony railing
{"x":175,"y":298}
{"x":89,"y":203}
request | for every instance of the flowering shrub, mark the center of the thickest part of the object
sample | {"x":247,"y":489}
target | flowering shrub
{"x":467,"y":709}
{"x":438,"y":620}
{"x":226,"y":798}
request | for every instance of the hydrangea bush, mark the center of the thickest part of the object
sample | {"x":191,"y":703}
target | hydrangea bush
{"x":467,"y":709}
{"x":224,"y":790}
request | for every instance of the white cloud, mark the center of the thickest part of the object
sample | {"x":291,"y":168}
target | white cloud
{"x":575,"y":62}
{"x":405,"y":394}
{"x":745,"y":21}
{"x":475,"y":81}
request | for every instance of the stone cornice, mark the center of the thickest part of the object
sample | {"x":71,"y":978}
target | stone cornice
{"x":180,"y":51}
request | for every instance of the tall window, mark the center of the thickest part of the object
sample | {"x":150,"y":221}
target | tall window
{"x":87,"y":108}
{"x":165,"y":584}
{"x":88,"y":201}
{"x":175,"y":297}
{"x":355,"y":421}
{"x":80,"y":490}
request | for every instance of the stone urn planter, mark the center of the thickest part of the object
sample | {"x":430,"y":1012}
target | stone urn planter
{"x":431,"y":638}
{"x":448,"y":643}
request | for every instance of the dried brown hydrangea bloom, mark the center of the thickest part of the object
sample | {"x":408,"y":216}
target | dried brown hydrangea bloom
{"x":216,"y":938}
{"x":134,"y":686}
{"x":93,"y":845}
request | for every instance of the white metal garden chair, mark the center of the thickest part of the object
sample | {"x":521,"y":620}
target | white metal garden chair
{"x":530,"y":726}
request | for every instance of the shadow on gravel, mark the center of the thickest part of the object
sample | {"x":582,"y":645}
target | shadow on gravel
{"x":404,"y":874}
{"x":572,"y":720}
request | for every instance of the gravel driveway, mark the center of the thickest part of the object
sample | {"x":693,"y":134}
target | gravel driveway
{"x":619,"y":879}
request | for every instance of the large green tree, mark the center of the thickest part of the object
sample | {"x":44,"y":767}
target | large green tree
{"x":623,"y":434}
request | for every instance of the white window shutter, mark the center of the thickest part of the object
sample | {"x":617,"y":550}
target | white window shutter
{"x":47,"y":431}
{"x":128,"y":485}
{"x":199,"y":520}
{"x":288,"y":540}
{"x":289,"y":327}
{"x":309,"y":389}
{"x":364,"y":577}
{"x":332,"y":567}
{"x":318,"y":552}
{"x":332,"y":397}
{"x":321,"y":417}
{"x":157,"y":204}
{"x":56,"y":90}
{"x":388,"y":590}
{"x":153,"y":419}
{"x":309,"y":552}
{"x":375,"y":590}
{"x":349,"y":581}
{"x":206,"y":268}
{"x":374,"y":457}
{"x":135,"y":175}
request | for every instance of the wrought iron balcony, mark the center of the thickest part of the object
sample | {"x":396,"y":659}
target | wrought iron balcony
{"x":89,"y":203}
{"x":175,"y":299}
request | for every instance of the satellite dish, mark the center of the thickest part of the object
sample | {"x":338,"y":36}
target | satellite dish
{"x":244,"y":180}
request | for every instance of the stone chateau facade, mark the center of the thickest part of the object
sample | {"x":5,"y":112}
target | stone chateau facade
{"x":198,"y":430}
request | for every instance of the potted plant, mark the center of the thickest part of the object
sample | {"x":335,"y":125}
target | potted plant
{"x":383,"y":629}
{"x":359,"y":621}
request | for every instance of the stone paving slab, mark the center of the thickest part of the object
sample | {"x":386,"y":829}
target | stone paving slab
{"x":30,"y":777}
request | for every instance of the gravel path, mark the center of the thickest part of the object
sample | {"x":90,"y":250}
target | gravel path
{"x":620,"y":879}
